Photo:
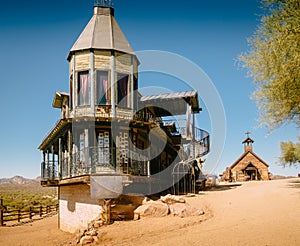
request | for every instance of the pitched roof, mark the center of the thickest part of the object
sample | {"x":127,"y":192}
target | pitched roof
{"x":248,"y":140}
{"x":102,"y":32}
{"x":244,"y":154}
{"x":58,"y":99}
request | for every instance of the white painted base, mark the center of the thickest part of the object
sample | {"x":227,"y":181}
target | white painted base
{"x":76,"y":208}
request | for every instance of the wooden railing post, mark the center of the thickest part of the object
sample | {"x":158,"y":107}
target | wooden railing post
{"x":19,"y":215}
{"x":1,"y":217}
{"x":30,"y":213}
{"x":1,"y":212}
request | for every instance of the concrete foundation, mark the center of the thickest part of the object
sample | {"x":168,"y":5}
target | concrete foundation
{"x":76,"y":208}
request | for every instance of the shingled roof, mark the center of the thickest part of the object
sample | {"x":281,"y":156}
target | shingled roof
{"x":102,"y":32}
{"x":243,"y":156}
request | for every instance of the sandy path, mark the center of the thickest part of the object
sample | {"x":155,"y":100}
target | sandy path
{"x":257,"y":213}
{"x":42,"y":232}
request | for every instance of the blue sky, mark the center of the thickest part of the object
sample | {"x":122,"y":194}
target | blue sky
{"x":36,"y":37}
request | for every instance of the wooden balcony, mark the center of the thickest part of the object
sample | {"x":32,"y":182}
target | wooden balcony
{"x":94,"y":161}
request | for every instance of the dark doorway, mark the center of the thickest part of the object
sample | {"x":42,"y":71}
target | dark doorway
{"x":251,"y":172}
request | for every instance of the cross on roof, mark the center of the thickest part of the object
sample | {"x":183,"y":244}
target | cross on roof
{"x":247,"y":133}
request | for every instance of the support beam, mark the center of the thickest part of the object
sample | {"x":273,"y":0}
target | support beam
{"x":132,"y":86}
{"x":193,"y":133}
{"x":74,"y":89}
{"x":53,"y":162}
{"x":86,"y":151}
{"x":112,"y":84}
{"x":48,"y":164}
{"x":43,"y":167}
{"x":92,"y":83}
{"x":70,"y":159}
{"x":60,"y":158}
{"x":149,"y":153}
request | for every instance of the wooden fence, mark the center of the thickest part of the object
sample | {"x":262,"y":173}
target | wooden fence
{"x":19,"y":214}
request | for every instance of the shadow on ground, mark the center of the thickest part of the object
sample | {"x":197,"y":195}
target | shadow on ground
{"x":222,"y":187}
{"x":295,"y":183}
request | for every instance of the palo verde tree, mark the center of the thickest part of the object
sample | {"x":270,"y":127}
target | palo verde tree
{"x":273,"y":61}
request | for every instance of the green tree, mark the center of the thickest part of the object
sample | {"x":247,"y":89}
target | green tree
{"x":274,"y":63}
{"x":290,"y":152}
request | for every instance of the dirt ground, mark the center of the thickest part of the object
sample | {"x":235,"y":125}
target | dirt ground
{"x":256,"y":213}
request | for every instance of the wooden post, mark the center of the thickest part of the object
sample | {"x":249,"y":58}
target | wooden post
{"x":92,"y":83}
{"x":19,"y":215}
{"x":41,"y":211}
{"x":1,"y":217}
{"x":60,"y":158}
{"x":48,"y":164}
{"x":53,"y":163}
{"x":132,"y":87}
{"x":106,"y":211}
{"x":30,"y":213}
{"x":112,"y":84}
{"x":43,"y":166}
{"x":1,"y":213}
{"x":70,"y":159}
{"x":74,"y":81}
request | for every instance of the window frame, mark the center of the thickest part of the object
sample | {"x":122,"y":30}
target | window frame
{"x":80,"y":98}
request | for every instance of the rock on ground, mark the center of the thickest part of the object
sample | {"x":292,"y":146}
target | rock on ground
{"x":172,"y":199}
{"x":184,"y":210}
{"x":152,"y":209}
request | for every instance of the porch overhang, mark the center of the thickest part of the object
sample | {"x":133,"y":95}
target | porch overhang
{"x":171,"y":103}
{"x":59,"y":126}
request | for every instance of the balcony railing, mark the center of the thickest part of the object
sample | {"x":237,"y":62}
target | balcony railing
{"x":104,"y":160}
{"x":104,"y":111}
{"x":49,"y":170}
{"x":198,"y":141}
{"x":96,"y":160}
{"x":195,"y":141}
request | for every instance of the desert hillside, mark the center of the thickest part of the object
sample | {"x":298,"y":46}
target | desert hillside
{"x":20,"y":193}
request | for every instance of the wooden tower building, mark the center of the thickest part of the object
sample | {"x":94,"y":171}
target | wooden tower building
{"x":100,"y":147}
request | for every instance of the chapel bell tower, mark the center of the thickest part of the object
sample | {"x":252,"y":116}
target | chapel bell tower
{"x":248,"y":143}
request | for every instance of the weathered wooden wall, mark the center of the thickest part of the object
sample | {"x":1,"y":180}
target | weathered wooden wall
{"x":237,"y":173}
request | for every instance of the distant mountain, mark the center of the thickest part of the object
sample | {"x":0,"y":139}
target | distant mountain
{"x":19,"y":180}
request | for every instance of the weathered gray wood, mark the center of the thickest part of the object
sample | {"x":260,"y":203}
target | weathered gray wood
{"x":92,"y":83}
{"x":1,"y":212}
{"x":112,"y":84}
{"x":59,"y":158}
{"x":132,"y":86}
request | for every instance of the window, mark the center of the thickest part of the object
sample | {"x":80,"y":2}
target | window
{"x":103,"y":88}
{"x":123,"y":90}
{"x":103,"y":148}
{"x":83,"y":88}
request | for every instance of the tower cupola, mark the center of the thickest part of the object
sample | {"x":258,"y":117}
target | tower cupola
{"x":248,"y":143}
{"x":103,"y":68}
